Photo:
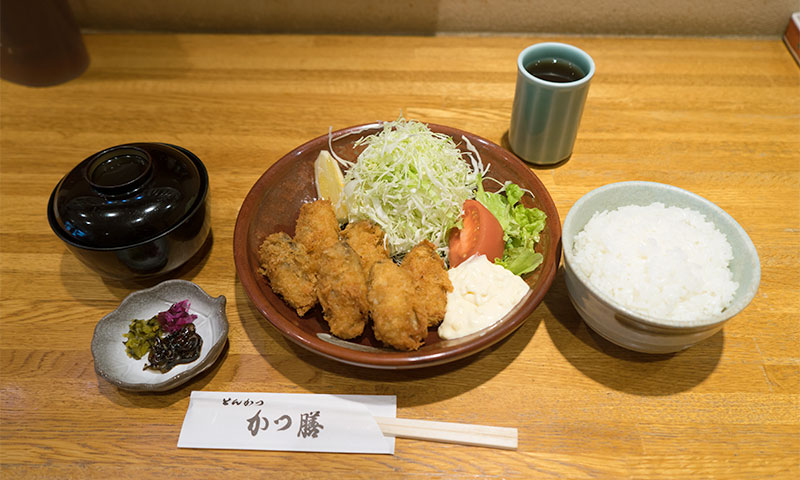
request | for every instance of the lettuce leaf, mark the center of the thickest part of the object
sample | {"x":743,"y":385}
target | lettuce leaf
{"x":521,"y":227}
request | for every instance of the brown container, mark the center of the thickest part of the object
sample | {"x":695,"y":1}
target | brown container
{"x":40,"y":43}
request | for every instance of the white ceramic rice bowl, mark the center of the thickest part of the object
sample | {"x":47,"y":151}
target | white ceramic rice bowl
{"x":638,"y":331}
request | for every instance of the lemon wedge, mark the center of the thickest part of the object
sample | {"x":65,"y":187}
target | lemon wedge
{"x":330,"y":183}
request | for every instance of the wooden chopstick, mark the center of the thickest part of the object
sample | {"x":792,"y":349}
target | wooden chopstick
{"x":460,"y":433}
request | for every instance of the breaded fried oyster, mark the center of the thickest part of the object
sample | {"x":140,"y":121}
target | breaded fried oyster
{"x":342,"y":291}
{"x":366,"y":238}
{"x":431,"y":282}
{"x":289,"y":269}
{"x":316,"y":227}
{"x":390,"y":292}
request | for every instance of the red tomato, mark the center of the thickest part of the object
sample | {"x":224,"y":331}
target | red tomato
{"x":482,"y":234}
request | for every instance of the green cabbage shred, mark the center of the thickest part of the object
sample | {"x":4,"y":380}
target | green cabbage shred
{"x":412,"y":182}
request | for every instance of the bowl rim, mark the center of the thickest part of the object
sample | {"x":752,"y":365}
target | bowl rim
{"x":736,"y":306}
{"x":395,"y":360}
{"x":198,"y":203}
{"x":175,"y":380}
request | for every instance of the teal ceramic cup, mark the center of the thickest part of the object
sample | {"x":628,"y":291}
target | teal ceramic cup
{"x":548,"y":104}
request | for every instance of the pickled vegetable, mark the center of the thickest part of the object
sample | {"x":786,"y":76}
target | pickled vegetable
{"x":176,"y":317}
{"x":144,"y":334}
{"x":140,"y":336}
{"x":182,"y":346}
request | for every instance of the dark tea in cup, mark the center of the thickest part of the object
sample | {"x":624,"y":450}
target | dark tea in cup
{"x":553,"y":69}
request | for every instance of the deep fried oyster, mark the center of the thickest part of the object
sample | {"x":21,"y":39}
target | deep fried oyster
{"x":342,"y":291}
{"x":431,"y":282}
{"x":289,"y":269}
{"x":317,"y":227}
{"x":366,"y":238}
{"x":390,"y":292}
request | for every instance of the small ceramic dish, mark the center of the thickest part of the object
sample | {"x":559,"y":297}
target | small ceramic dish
{"x":112,"y":362}
{"x":638,"y":331}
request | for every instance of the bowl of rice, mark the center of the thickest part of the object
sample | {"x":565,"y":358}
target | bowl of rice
{"x":654,"y":268}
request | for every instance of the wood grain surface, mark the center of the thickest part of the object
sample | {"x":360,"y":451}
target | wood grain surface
{"x":719,"y":117}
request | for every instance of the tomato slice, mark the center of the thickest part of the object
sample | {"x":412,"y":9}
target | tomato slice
{"x":482,"y":234}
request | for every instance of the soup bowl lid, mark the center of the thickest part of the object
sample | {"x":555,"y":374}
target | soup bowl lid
{"x":126,"y":195}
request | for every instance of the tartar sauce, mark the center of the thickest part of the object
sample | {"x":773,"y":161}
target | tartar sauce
{"x":483,"y":293}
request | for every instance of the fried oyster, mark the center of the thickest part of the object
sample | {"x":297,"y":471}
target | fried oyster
{"x":366,"y":238}
{"x":290,"y":271}
{"x":342,"y":291}
{"x":431,"y":282}
{"x":390,"y":292}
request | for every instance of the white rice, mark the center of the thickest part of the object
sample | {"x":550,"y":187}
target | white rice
{"x":667,"y":262}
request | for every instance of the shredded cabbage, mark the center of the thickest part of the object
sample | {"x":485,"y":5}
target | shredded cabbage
{"x":412,"y":182}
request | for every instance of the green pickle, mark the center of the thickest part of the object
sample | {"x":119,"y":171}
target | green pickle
{"x":140,"y":337}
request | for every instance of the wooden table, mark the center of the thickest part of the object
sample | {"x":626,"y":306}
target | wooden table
{"x":719,"y":117}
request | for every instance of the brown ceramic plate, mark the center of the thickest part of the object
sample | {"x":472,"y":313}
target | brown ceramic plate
{"x":274,"y":203}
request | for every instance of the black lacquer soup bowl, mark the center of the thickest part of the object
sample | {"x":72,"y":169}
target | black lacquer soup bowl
{"x":133,"y":211}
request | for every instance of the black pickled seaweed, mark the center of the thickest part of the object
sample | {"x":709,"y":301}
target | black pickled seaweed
{"x":182,"y":346}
